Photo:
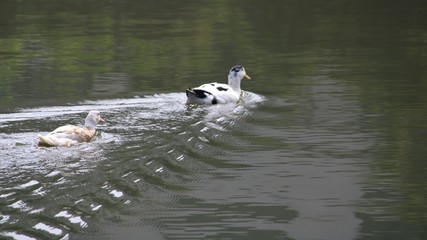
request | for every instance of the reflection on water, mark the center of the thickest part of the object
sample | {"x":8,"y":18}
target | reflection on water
{"x":145,"y":141}
{"x":335,"y":149}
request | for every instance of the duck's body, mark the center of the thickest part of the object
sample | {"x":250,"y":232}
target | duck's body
{"x":214,"y":93}
{"x":70,"y":134}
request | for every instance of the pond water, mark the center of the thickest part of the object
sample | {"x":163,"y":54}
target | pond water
{"x":328,"y":141}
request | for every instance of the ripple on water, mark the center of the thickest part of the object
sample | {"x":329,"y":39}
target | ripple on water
{"x":150,"y":147}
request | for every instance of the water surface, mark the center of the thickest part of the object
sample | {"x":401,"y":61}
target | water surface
{"x":328,"y":141}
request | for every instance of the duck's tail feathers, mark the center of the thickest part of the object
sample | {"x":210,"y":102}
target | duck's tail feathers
{"x":200,"y":96}
{"x":50,"y":141}
{"x":197,"y":92}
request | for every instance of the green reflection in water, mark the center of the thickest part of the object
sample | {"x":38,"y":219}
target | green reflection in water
{"x":62,"y":52}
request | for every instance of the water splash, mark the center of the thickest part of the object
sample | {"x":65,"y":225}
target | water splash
{"x":159,"y":134}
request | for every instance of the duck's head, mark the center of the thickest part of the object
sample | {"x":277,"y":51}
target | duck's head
{"x":238,"y":72}
{"x":93,"y":119}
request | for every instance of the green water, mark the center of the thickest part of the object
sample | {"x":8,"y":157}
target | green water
{"x":328,"y":141}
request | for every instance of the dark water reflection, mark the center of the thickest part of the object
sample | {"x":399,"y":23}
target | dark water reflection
{"x":328,"y":142}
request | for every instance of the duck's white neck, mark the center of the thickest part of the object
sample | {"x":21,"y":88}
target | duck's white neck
{"x":90,"y":123}
{"x":234,"y":83}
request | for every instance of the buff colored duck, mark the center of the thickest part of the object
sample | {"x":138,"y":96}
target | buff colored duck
{"x":214,"y":93}
{"x":70,"y":134}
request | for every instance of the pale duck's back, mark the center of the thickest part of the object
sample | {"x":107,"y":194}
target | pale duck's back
{"x":80,"y":134}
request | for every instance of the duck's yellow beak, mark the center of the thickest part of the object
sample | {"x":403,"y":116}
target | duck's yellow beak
{"x":247,"y":77}
{"x":101,"y":120}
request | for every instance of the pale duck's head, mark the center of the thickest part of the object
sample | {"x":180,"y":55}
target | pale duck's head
{"x":93,"y":119}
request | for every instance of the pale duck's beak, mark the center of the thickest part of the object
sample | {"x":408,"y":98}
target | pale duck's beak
{"x":100,"y":119}
{"x":247,"y":77}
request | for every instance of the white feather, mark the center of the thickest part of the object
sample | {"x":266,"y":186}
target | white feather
{"x":213,"y":93}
